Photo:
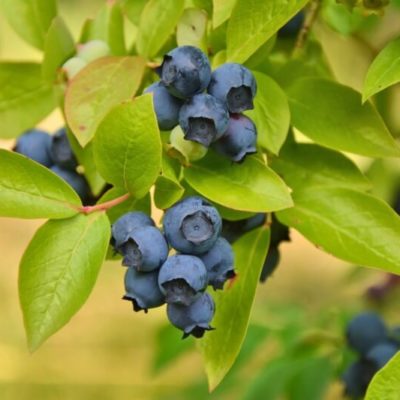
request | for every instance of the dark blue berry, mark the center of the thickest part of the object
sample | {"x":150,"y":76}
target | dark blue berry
{"x":219,"y":261}
{"x":124,"y":225}
{"x":239,"y":139}
{"x":35,"y":144}
{"x":380,"y":354}
{"x":292,"y":27}
{"x":141,"y":288}
{"x":203,"y":119}
{"x":76,"y":181}
{"x":193,"y":319}
{"x":182,"y":278}
{"x":192,"y":225}
{"x":61,"y":151}
{"x":234,"y":85}
{"x":166,"y":106}
{"x":145,"y":249}
{"x":365,"y":331}
{"x":357,"y":377}
{"x":185,"y":71}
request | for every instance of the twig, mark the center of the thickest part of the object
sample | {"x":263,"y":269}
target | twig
{"x":104,"y":206}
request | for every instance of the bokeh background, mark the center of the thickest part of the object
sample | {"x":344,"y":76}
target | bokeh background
{"x":108,"y":352}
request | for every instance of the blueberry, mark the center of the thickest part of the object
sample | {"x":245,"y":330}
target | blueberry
{"x":76,"y":181}
{"x":192,"y":225}
{"x":292,"y":27}
{"x":185,"y":71}
{"x":239,"y":139}
{"x":93,"y":50}
{"x":235,"y":85}
{"x":357,"y":377}
{"x":365,"y":331}
{"x":219,"y":261}
{"x":193,"y":319}
{"x":279,"y":232}
{"x":192,"y":151}
{"x":203,"y":119}
{"x":35,"y":144}
{"x":141,"y":288}
{"x":166,"y":106}
{"x":61,"y":151}
{"x":127,"y":223}
{"x":270,"y":263}
{"x":232,"y":230}
{"x":144,"y":249}
{"x":395,"y":334}
{"x":182,"y":278}
{"x":380,"y":354}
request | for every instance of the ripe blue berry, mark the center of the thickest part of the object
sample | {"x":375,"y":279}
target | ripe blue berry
{"x":219,"y":261}
{"x":166,"y":106}
{"x":192,"y":225}
{"x":127,"y":223}
{"x":76,"y":181}
{"x":145,"y":249}
{"x":292,"y":27}
{"x":270,"y":264}
{"x":193,"y":319}
{"x":365,"y":331}
{"x":380,"y":354}
{"x":35,"y":144}
{"x":61,"y":151}
{"x":235,"y":85}
{"x":239,"y":139}
{"x":141,"y":288}
{"x":182,"y":278}
{"x":203,"y":119}
{"x":185,"y":71}
{"x":357,"y":377}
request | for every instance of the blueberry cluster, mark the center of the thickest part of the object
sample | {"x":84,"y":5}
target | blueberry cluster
{"x":212,"y":118}
{"x":233,"y":230}
{"x":375,"y":345}
{"x":55,"y":153}
{"x":192,"y":228}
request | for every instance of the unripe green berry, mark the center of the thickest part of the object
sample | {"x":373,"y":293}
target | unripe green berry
{"x":93,"y":50}
{"x":192,"y":151}
{"x":72,"y":66}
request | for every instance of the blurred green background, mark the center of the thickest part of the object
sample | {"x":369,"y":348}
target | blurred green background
{"x":109,"y":352}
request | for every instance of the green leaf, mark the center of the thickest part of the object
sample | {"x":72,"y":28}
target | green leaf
{"x":169,"y":347}
{"x":127,"y":146}
{"x":100,"y":86}
{"x":85,"y":159}
{"x":108,"y":26}
{"x":25,"y":99}
{"x":133,"y":9}
{"x":192,"y":29}
{"x":132,"y":204}
{"x":157,"y":22}
{"x":304,"y":163}
{"x":222,"y":10}
{"x":59,"y":47}
{"x":29,"y":190}
{"x":332,"y":115}
{"x":384,"y":71}
{"x":271,"y":113}
{"x":253,"y":22}
{"x":30,"y":18}
{"x":386,"y":383}
{"x":249,"y":186}
{"x":221,"y":347}
{"x":168,"y":189}
{"x":350,"y":225}
{"x":58,"y":272}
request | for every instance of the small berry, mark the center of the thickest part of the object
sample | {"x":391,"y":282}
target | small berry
{"x":381,"y":354}
{"x":73,"y":66}
{"x":192,"y":151}
{"x":357,"y":377}
{"x":292,"y":27}
{"x":61,"y":151}
{"x":76,"y":181}
{"x":93,"y":50}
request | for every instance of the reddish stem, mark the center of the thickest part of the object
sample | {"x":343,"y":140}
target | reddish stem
{"x":104,"y":206}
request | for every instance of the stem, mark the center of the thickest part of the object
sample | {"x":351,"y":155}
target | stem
{"x":152,"y":65}
{"x":104,"y":206}
{"x":302,"y":37}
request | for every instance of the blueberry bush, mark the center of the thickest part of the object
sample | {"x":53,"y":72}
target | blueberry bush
{"x":229,"y":119}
